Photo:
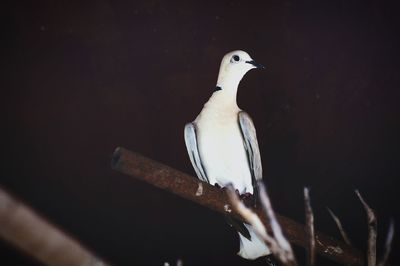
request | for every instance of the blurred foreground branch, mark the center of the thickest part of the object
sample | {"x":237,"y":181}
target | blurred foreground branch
{"x":188,"y":187}
{"x":388,"y":245}
{"x":275,"y":241}
{"x":23,"y":228}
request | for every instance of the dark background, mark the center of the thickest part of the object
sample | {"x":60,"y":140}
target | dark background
{"x":83,"y":78}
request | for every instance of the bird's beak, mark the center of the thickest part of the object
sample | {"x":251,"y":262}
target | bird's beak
{"x":255,"y":64}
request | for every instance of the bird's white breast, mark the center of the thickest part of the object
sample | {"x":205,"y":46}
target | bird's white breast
{"x":222,"y":151}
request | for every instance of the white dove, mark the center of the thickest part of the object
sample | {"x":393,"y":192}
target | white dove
{"x":222,"y":144}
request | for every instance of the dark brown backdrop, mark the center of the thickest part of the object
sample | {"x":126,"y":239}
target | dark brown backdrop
{"x":83,"y":78}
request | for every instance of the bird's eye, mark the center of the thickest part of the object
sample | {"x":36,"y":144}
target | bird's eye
{"x":235,"y":58}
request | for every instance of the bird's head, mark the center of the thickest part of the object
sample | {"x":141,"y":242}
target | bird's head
{"x":234,"y":66}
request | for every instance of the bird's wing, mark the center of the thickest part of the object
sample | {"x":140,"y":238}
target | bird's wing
{"x":252,"y":149}
{"x":192,"y":148}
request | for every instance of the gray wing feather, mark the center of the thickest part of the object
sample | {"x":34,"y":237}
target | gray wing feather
{"x":251,"y":146}
{"x":192,"y":148}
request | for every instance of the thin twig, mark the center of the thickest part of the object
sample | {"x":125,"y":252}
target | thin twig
{"x":388,"y":244}
{"x":284,"y":256}
{"x":310,"y":227}
{"x":252,"y":219}
{"x":283,"y":243}
{"x":372,"y":232}
{"x":23,"y":228}
{"x":340,"y":227}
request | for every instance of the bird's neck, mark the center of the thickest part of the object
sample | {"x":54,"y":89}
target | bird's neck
{"x":229,"y":81}
{"x":224,"y":98}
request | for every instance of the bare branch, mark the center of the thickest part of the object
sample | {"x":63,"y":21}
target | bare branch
{"x":252,"y":219}
{"x":372,"y":232}
{"x":310,"y":227}
{"x":388,"y":244}
{"x":23,"y":228}
{"x":283,"y":253}
{"x":179,"y":262}
{"x":276,"y":228}
{"x":186,"y":186}
{"x":340,"y":227}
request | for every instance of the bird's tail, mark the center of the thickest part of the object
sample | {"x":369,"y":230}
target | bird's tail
{"x":254,"y":248}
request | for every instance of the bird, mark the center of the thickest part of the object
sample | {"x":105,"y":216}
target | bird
{"x":223,"y":148}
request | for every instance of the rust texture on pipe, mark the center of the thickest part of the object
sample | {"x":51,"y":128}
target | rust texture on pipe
{"x":23,"y":228}
{"x":188,"y":187}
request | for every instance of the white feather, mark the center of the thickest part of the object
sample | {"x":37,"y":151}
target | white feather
{"x":222,"y":149}
{"x":252,"y":249}
{"x":216,"y":146}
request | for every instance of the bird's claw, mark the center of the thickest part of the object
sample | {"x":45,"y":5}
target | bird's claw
{"x":247,"y":198}
{"x":225,"y":188}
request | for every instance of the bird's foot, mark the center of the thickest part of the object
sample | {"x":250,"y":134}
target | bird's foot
{"x":225,"y":188}
{"x":248,"y":199}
